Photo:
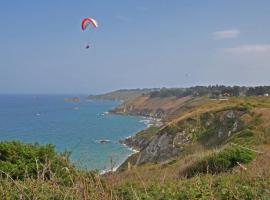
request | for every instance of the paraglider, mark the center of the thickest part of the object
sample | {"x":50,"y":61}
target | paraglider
{"x":87,"y":21}
{"x":85,"y":25}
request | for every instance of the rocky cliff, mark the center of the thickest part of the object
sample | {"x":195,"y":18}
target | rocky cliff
{"x":206,"y":126}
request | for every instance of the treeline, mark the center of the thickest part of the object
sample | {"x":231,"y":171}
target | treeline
{"x":212,"y":91}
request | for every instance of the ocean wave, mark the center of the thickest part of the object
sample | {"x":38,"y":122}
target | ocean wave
{"x":151,"y":121}
{"x":133,"y":151}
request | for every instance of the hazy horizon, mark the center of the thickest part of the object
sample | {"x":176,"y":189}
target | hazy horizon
{"x":138,"y":44}
{"x":107,"y":91}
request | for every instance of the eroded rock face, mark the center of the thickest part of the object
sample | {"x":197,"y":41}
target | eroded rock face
{"x":231,"y":114}
{"x":137,"y":143}
{"x":159,"y":149}
{"x":170,"y":141}
{"x":181,"y":139}
{"x":222,"y":127}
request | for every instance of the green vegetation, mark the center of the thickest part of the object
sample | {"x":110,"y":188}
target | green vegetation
{"x":201,"y":187}
{"x":218,"y":163}
{"x":212,"y":91}
{"x":19,"y":160}
{"x":33,"y":171}
{"x":221,"y":161}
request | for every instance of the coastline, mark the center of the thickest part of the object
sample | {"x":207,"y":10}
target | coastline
{"x":114,"y":169}
{"x":148,"y":121}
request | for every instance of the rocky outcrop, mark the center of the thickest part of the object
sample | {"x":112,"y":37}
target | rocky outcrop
{"x":137,"y":143}
{"x":160,"y":148}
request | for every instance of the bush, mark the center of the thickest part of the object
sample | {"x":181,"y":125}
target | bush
{"x":21,"y":161}
{"x":221,"y":161}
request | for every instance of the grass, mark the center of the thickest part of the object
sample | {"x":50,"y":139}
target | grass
{"x":152,"y":181}
{"x":206,"y":187}
{"x":170,"y":182}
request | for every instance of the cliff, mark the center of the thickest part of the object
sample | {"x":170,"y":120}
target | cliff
{"x":206,"y":126}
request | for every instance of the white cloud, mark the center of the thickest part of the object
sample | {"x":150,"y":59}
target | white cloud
{"x":226,"y":34}
{"x":249,"y":48}
{"x":122,"y":18}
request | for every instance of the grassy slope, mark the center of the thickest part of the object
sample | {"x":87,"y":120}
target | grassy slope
{"x":168,"y":180}
{"x":148,"y":106}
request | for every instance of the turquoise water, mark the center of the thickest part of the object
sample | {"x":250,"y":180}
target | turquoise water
{"x":71,"y":126}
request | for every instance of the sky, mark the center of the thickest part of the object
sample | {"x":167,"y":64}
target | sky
{"x":138,"y":44}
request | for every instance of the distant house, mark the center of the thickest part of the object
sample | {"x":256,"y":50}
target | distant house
{"x":226,"y":94}
{"x":266,"y":95}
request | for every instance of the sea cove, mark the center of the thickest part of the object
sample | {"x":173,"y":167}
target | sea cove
{"x":73,"y":126}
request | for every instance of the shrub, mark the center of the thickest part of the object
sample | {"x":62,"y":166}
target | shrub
{"x":221,"y":161}
{"x":21,"y":161}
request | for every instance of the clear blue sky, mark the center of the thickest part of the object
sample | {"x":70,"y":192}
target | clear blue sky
{"x":142,"y":43}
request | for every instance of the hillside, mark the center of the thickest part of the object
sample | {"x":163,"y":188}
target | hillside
{"x":209,"y":125}
{"x":124,"y":94}
{"x":153,"y":107}
{"x":217,"y":150}
{"x":168,"y":102}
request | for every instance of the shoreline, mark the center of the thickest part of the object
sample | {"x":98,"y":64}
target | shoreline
{"x":148,"y":121}
{"x":114,"y":169}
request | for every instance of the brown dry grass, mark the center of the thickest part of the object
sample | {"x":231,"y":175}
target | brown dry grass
{"x":168,"y":104}
{"x":265,"y":115}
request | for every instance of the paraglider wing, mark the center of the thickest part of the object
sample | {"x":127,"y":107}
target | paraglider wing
{"x":87,"y":21}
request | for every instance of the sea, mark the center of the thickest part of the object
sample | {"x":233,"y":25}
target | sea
{"x":77,"y":127}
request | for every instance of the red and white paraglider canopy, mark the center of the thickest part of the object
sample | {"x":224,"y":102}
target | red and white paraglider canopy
{"x":87,"y":21}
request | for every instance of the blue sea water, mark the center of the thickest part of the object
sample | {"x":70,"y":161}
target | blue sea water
{"x":72,"y":126}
